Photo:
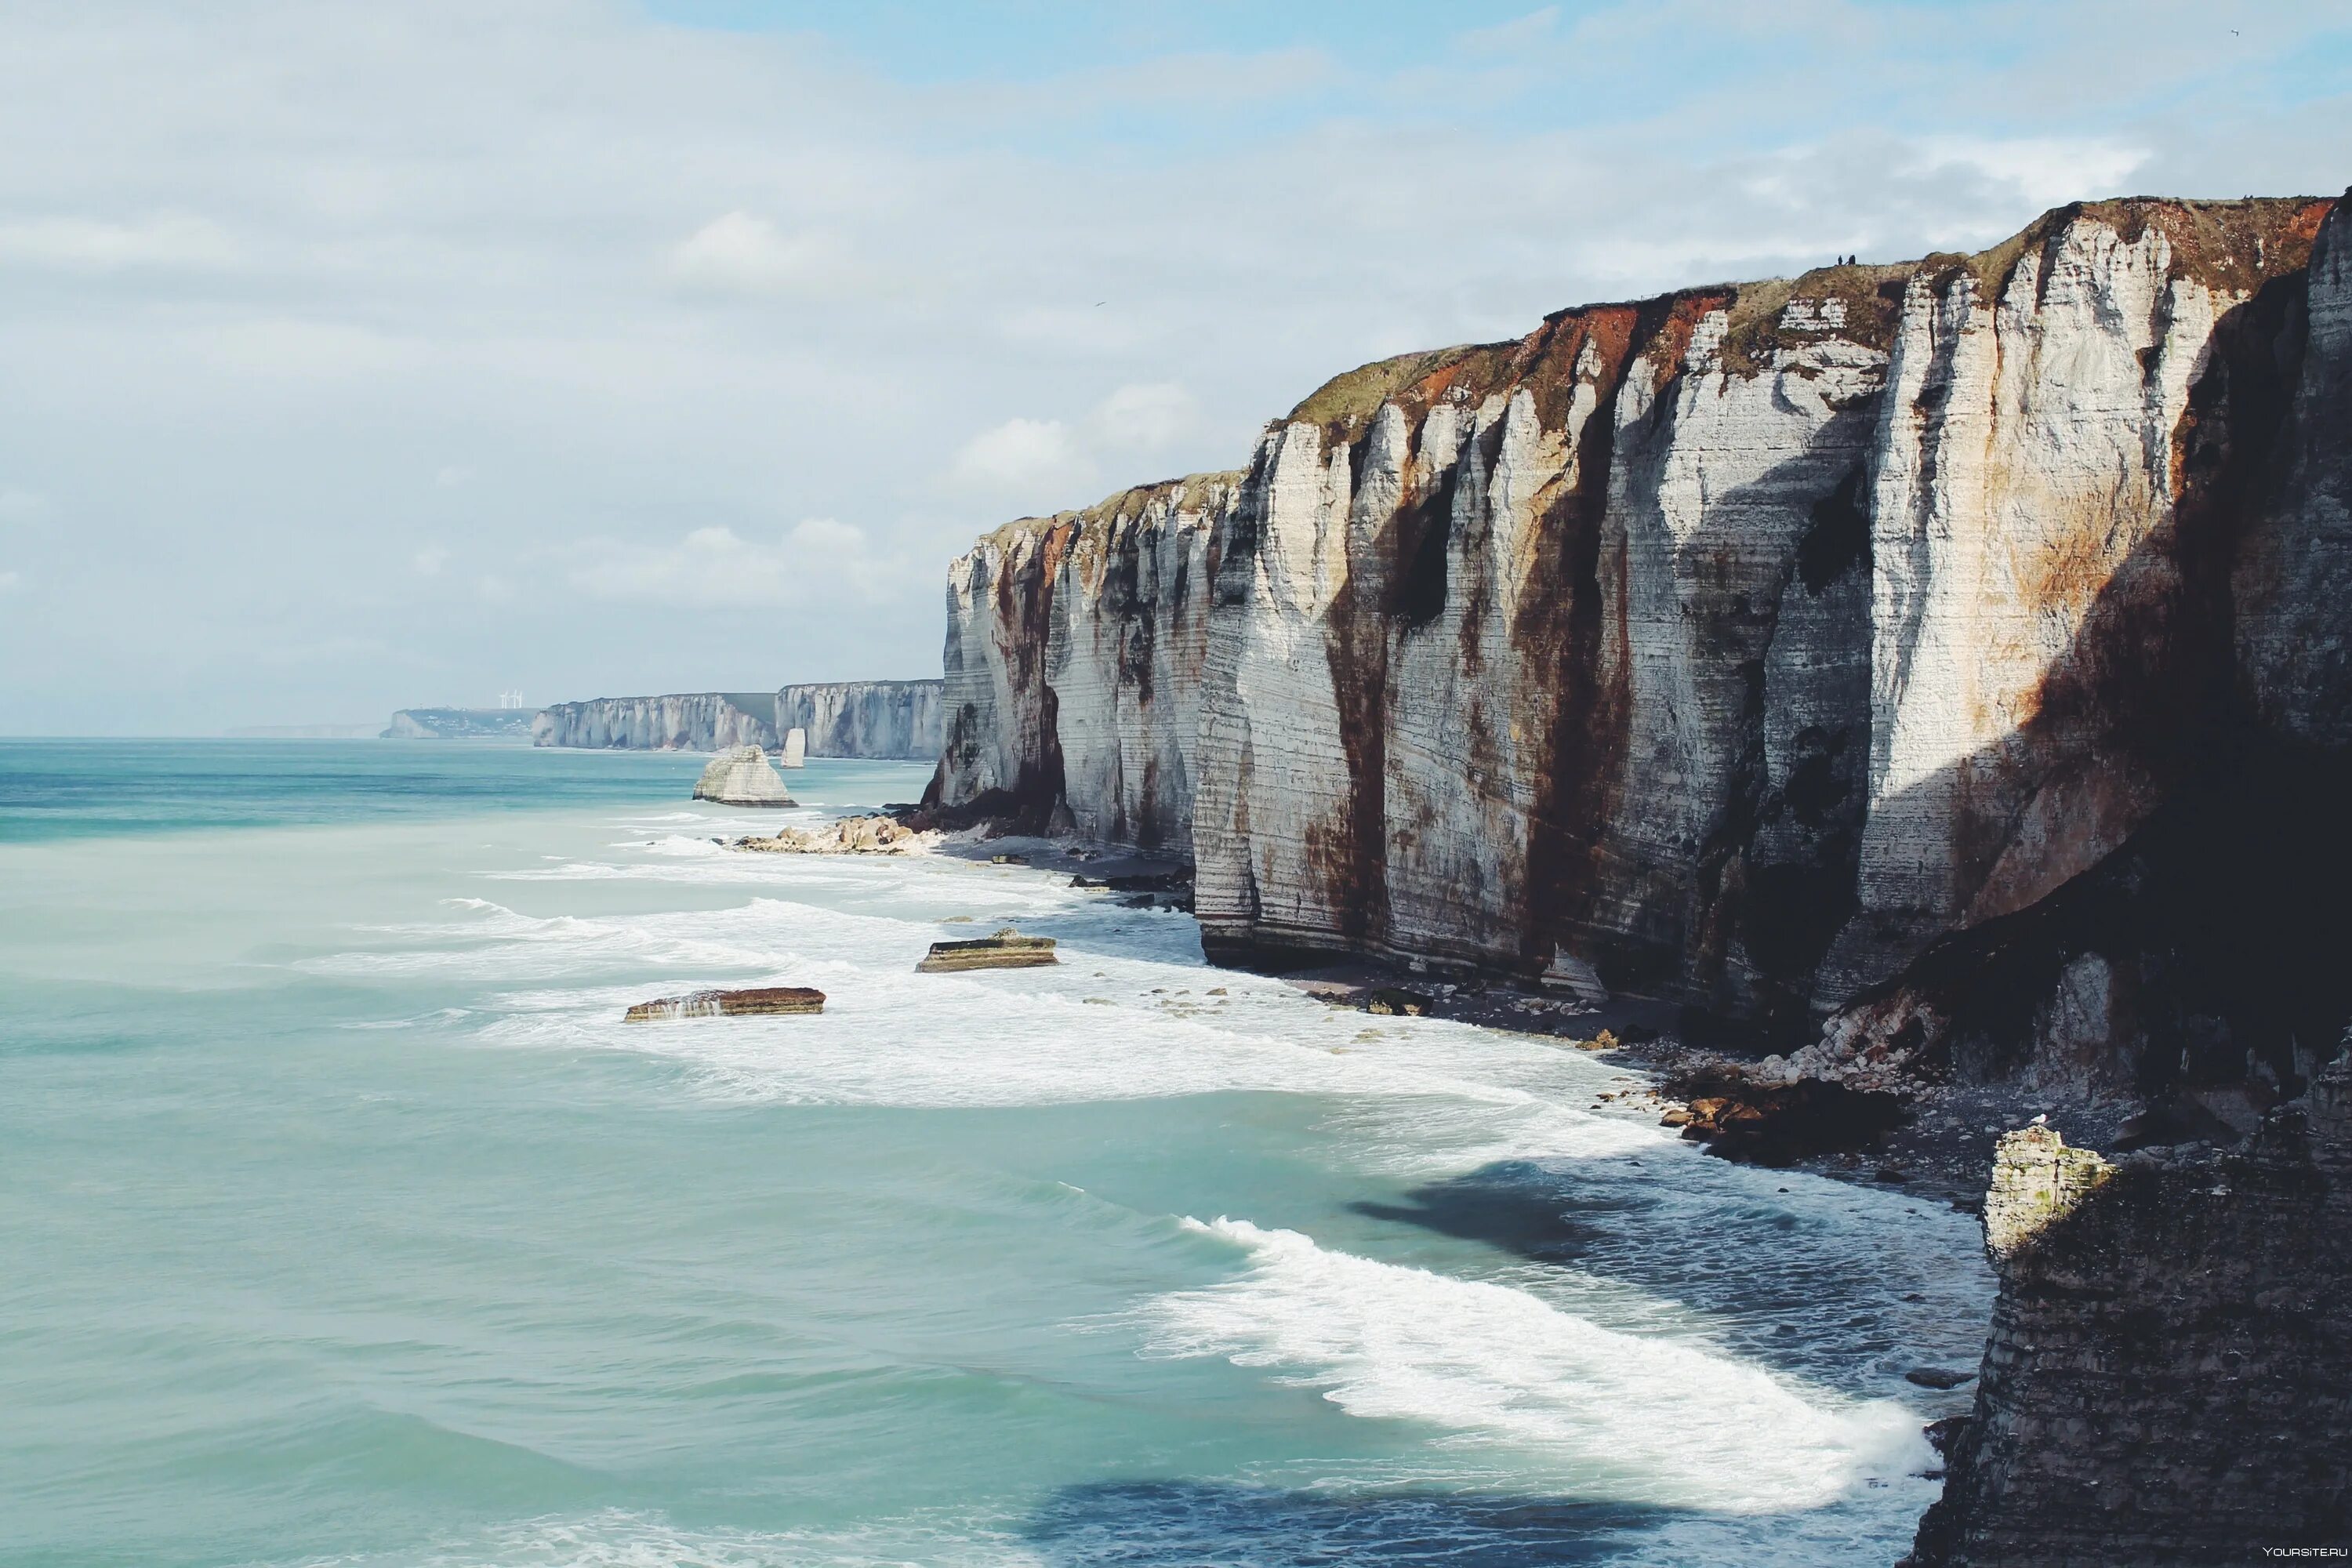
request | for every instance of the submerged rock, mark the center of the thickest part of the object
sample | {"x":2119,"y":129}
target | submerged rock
{"x":1940,"y":1378}
{"x":742,"y":776}
{"x":1008,"y":949}
{"x":758,"y":1002}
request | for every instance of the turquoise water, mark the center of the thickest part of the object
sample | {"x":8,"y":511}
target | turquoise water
{"x":341,"y":1220}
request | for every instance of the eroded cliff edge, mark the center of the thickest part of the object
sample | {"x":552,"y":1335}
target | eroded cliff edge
{"x":1745,"y":642}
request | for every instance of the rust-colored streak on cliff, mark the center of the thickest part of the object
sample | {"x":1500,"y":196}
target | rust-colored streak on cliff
{"x":1580,"y":630}
{"x":1741,"y":642}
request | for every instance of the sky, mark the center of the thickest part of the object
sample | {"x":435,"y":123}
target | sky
{"x":360,"y":356}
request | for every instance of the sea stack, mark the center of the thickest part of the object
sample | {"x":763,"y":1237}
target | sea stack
{"x":742,"y":776}
{"x":796,"y":748}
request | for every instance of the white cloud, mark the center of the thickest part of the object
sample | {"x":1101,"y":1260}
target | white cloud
{"x":430,"y":560}
{"x":1508,"y":37}
{"x":2044,"y":171}
{"x":739,"y":253}
{"x":450,"y":476}
{"x":1144,"y":418}
{"x":1048,"y":465}
{"x":818,"y":560}
{"x":169,"y":239}
{"x":1020,"y":457}
{"x":11,"y":581}
{"x":303,"y":298}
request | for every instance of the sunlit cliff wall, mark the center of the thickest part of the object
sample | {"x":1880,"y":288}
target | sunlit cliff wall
{"x":1742,"y":642}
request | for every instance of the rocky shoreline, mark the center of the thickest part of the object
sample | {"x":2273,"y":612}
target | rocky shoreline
{"x":1931,"y":680}
{"x":2188,"y":1247}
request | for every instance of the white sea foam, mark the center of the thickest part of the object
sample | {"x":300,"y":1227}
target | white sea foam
{"x":1625,"y":1417}
{"x":619,"y":1537}
{"x":1125,"y":1017}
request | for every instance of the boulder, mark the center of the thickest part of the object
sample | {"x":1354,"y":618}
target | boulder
{"x":742,"y":776}
{"x":759,"y":1002}
{"x":1757,"y":1121}
{"x":1395,"y":1002}
{"x":1941,"y":1378}
{"x":1008,"y":949}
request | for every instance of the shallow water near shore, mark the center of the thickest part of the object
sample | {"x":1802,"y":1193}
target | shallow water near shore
{"x":344,"y":1220}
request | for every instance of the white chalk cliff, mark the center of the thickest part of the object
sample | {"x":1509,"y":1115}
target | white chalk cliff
{"x":880,"y":719}
{"x":1740,"y":643}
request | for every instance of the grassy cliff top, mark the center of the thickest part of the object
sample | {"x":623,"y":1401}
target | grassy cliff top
{"x":1193,"y":492}
{"x":2235,"y":246}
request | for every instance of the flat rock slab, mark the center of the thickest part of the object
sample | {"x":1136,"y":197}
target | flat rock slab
{"x":1008,"y":949}
{"x":759,"y":1002}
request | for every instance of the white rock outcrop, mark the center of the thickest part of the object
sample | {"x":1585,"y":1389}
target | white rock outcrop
{"x":742,"y":776}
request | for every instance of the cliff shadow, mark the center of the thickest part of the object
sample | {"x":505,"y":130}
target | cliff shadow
{"x":2149,"y":879}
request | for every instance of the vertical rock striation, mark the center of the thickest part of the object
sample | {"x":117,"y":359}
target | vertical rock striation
{"x":687,"y":722}
{"x":1074,"y":650}
{"x":892,"y":718}
{"x":896,"y":718}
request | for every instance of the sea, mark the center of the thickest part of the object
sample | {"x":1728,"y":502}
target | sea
{"x":344,"y":1220}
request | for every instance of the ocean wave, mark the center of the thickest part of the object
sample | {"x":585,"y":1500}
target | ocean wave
{"x":1625,"y":1417}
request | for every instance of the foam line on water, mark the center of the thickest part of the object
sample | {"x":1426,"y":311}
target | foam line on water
{"x":1633,"y":1418}
{"x":619,"y":1537}
{"x":1125,"y":1017}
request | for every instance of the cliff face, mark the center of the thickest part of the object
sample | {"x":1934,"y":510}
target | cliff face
{"x":880,"y":719}
{"x":461,"y":725}
{"x":1743,"y":642}
{"x":896,"y":718}
{"x":1074,"y":654}
{"x":690,"y":722}
{"x":2170,"y":1374}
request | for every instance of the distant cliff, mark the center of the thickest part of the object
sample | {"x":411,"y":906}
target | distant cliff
{"x":1743,"y":642}
{"x":689,"y":721}
{"x":461,"y":724}
{"x":897,"y":719}
{"x":844,"y":719}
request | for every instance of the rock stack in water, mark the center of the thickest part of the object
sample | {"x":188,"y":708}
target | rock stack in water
{"x":759,"y":1002}
{"x":743,"y":776}
{"x":2169,"y":1373}
{"x":1008,"y":949}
